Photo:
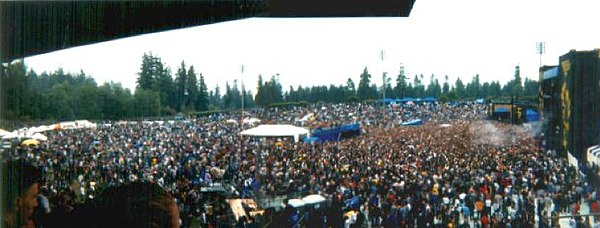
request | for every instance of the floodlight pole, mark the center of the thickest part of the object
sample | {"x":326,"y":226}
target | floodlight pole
{"x":242,"y":94}
{"x":402,"y":78}
{"x":242,"y":114}
{"x":541,"y":49}
{"x":382,"y":55}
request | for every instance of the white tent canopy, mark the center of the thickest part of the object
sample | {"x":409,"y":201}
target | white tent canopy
{"x":39,"y":136}
{"x":251,"y":120}
{"x":10,"y":135}
{"x":306,"y":117}
{"x":313,"y":199}
{"x":4,"y":132}
{"x":296,"y":203}
{"x":269,"y":130}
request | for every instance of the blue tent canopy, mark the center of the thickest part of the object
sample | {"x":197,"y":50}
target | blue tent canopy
{"x":429,"y":99}
{"x":479,"y":101}
{"x":311,"y":140}
{"x":531,"y":115}
{"x":386,"y":100}
{"x":413,"y":122}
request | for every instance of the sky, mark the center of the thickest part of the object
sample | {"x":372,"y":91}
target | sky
{"x":458,"y":38}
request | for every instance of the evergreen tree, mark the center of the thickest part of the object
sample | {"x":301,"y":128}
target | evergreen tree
{"x":202,"y":98}
{"x":192,"y":90}
{"x":459,"y":89}
{"x":147,"y":103}
{"x":400,"y":89}
{"x":530,"y":87}
{"x":496,"y":89}
{"x":364,"y":90}
{"x":418,"y":87}
{"x":485,"y":90}
{"x":473,"y":89}
{"x":236,"y":96}
{"x":148,"y":72}
{"x":517,"y":84}
{"x":446,"y":86}
{"x":276,"y":91}
{"x":227,"y":97}
{"x":216,"y":101}
{"x":389,"y":92}
{"x":259,"y":98}
{"x":182,"y":86}
{"x":350,"y":87}
{"x":437,"y":89}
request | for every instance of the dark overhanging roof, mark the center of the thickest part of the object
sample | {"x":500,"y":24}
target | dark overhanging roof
{"x":30,"y":28}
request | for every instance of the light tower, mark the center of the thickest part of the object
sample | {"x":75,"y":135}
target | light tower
{"x":243,"y":94}
{"x":382,"y":56}
{"x":540,"y":49}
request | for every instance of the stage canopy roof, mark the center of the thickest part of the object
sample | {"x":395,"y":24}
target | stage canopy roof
{"x":30,"y":28}
{"x":276,"y":130}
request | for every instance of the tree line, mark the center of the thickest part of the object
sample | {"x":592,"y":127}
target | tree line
{"x":402,"y":87}
{"x":57,"y":96}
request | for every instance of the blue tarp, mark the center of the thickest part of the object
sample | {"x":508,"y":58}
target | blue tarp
{"x":501,"y":110}
{"x":531,"y":115}
{"x":334,"y":133}
{"x":311,"y":139}
{"x":413,"y":122}
{"x":429,"y":99}
{"x":353,"y":202}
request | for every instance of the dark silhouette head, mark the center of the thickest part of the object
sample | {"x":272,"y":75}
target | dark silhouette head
{"x":138,"y":204}
{"x":20,"y":186}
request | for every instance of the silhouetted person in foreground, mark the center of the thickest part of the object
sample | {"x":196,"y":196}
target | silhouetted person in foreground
{"x":20,"y":187}
{"x":136,"y":205}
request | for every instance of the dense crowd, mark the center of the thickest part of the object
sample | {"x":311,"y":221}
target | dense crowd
{"x":455,"y":170}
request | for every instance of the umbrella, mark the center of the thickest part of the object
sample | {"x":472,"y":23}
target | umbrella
{"x":30,"y":142}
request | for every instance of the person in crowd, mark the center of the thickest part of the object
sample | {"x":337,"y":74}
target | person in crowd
{"x":457,"y":167}
{"x":137,"y":204}
{"x":20,"y":187}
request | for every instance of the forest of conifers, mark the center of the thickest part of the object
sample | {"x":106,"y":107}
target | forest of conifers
{"x":26,"y":95}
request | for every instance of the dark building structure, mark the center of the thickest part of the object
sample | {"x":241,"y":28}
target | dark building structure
{"x":549,"y":101}
{"x":571,"y":102}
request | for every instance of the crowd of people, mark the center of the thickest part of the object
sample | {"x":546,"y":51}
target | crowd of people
{"x":456,"y":170}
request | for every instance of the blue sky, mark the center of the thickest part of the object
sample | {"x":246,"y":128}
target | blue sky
{"x":455,"y":38}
